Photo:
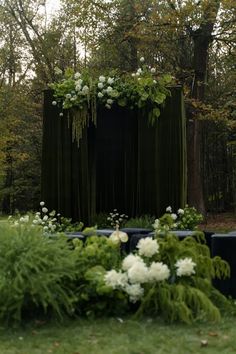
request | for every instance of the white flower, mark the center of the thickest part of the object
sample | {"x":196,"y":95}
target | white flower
{"x":118,"y":236}
{"x":115,"y":279}
{"x":154,"y":81}
{"x":174,"y":216}
{"x":73,"y":98}
{"x":85,"y":89}
{"x":68,"y":95}
{"x":16,"y":223}
{"x":139,"y":78}
{"x":78,"y":82}
{"x":45,"y":218}
{"x":100,"y":85}
{"x":138,"y":273}
{"x":61,"y":114}
{"x":78,"y":87}
{"x":153,"y":70}
{"x":180,"y":211}
{"x":158,"y":271}
{"x":135,"y":292}
{"x":142,"y":59}
{"x":45,"y":228}
{"x":139,"y":71}
{"x":38,"y":212}
{"x":109,"y":101}
{"x":133,"y":74}
{"x":24,"y":219}
{"x":147,"y":247}
{"x":54,"y":103}
{"x":109,"y":89}
{"x":130,"y":260}
{"x":110,"y":80}
{"x":44,"y":210}
{"x":77,"y":75}
{"x":107,"y":106}
{"x":185,"y":266}
{"x":169,"y":209}
{"x":156,"y":224}
{"x":100,"y":94}
{"x":102,"y":78}
{"x":35,"y":221}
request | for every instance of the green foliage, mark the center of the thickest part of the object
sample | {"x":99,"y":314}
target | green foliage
{"x":144,"y":221}
{"x":93,"y":258}
{"x":189,"y":219}
{"x":35,"y":274}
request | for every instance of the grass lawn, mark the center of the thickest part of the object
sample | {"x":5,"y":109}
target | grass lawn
{"x":112,"y":336}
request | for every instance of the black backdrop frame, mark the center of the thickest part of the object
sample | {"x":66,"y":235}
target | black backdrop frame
{"x":123,"y":162}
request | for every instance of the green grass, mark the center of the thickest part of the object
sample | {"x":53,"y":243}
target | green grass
{"x":111,"y":336}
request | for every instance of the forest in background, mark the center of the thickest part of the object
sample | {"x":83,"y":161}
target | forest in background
{"x":194,"y":41}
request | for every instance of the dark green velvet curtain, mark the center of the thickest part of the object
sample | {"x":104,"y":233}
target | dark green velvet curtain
{"x":121,"y":163}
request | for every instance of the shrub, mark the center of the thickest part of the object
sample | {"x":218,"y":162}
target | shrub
{"x":35,"y":272}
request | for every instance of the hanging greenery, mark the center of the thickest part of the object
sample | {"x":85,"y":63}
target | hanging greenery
{"x":80,"y":94}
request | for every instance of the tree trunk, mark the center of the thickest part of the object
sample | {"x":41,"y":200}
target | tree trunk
{"x":202,"y":38}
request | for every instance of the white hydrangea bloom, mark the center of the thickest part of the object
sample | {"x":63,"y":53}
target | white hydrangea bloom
{"x":169,"y":209}
{"x":100,"y":85}
{"x":185,"y":266}
{"x":135,"y":292}
{"x":142,"y":59}
{"x":138,"y":273}
{"x":44,"y":210}
{"x":107,"y":106}
{"x":158,"y":272}
{"x":116,"y":279}
{"x":153,"y":70}
{"x":139,"y":71}
{"x":68,"y":96}
{"x":45,"y":218}
{"x":174,"y":216}
{"x":180,"y":211}
{"x":42,"y":203}
{"x":54,"y":103}
{"x":130,"y":260}
{"x":147,"y":247}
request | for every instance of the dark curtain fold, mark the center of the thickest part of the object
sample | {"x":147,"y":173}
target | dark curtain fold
{"x":121,"y":163}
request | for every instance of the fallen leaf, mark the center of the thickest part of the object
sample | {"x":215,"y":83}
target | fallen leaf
{"x":213,"y":334}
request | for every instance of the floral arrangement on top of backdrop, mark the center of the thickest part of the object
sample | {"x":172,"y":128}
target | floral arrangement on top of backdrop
{"x":81,"y":94}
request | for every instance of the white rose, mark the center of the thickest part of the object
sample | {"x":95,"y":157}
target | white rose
{"x":110,"y":80}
